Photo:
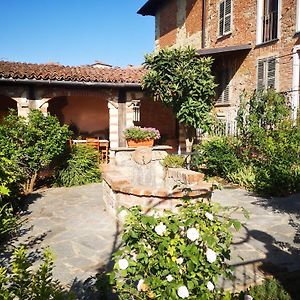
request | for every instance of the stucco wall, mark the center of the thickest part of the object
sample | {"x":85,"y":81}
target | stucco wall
{"x":89,"y":114}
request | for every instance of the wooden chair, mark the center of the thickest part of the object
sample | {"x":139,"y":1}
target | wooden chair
{"x":104,"y":146}
{"x":95,"y":144}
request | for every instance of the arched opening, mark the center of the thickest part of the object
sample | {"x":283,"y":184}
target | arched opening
{"x":86,"y":116}
{"x":6,"y":103}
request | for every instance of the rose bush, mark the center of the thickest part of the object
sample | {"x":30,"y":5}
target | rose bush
{"x":173,"y":255}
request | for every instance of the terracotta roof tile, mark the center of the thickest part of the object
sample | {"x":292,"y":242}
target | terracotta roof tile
{"x":17,"y":70}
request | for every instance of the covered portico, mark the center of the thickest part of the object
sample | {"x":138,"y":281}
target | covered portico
{"x":93,"y":101}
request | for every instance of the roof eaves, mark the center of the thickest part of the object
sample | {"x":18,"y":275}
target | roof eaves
{"x":150,"y":8}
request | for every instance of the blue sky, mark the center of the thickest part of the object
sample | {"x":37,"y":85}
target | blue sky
{"x":75,"y":32}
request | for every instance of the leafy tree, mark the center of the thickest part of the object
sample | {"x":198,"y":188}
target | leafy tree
{"x":33,"y":143}
{"x":183,"y":81}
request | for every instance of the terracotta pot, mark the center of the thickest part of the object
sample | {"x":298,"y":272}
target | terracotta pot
{"x":135,"y":144}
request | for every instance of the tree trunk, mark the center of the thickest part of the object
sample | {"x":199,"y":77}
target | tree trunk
{"x":30,"y":182}
{"x":190,"y":134}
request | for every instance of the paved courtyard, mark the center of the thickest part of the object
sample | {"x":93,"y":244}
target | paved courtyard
{"x":74,"y":223}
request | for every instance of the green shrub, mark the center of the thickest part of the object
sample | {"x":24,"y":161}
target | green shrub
{"x":271,"y":289}
{"x":217,"y":156}
{"x":173,"y":161}
{"x":80,"y":167}
{"x":33,"y":143}
{"x":170,"y":255}
{"x":245,"y":177}
{"x":20,"y":281}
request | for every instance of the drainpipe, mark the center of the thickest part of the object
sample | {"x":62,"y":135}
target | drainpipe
{"x":203,"y":23}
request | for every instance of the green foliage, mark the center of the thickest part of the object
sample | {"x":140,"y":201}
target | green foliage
{"x":173,"y":161}
{"x":32,"y":143}
{"x":182,"y":80}
{"x":271,"y":289}
{"x":217,"y":156}
{"x":20,"y":281}
{"x":80,"y":167}
{"x":165,"y":256}
{"x":8,"y":221}
{"x":141,"y":133}
{"x":265,"y":157}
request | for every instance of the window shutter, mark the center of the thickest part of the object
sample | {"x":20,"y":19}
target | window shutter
{"x":271,"y":72}
{"x":227,"y":21}
{"x":224,"y":87}
{"x":260,"y":75}
{"x":221,"y":17}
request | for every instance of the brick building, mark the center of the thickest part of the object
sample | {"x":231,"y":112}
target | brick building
{"x":255,"y":43}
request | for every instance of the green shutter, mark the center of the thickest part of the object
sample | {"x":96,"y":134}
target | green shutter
{"x":227,"y":21}
{"x":260,"y":74}
{"x":221,"y":17}
{"x":271,"y":72}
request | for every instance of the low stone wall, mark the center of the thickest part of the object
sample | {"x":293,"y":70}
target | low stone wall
{"x":164,"y":191}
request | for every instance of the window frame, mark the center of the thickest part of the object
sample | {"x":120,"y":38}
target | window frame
{"x":224,"y":33}
{"x":266,"y":64}
{"x":259,"y":22}
{"x":298,"y":17}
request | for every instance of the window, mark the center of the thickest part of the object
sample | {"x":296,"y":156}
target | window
{"x":266,"y":72}
{"x":223,"y":87}
{"x":224,"y":17}
{"x":267,"y":20}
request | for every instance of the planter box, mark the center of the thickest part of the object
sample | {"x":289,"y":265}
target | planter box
{"x":135,"y":144}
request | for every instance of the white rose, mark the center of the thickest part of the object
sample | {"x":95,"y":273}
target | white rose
{"x":211,"y":255}
{"x":248,"y":297}
{"x":209,"y":216}
{"x":140,"y":284}
{"x":192,"y":234}
{"x":123,"y":264}
{"x":179,"y":260}
{"x":134,"y":256}
{"x":183,"y":292}
{"x":169,"y":278}
{"x":160,"y":229}
{"x":210,"y":286}
{"x":122,"y":214}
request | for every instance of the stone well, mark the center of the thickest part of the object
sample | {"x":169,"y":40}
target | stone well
{"x":135,"y":176}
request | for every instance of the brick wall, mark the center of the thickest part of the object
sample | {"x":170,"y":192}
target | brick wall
{"x":244,"y":23}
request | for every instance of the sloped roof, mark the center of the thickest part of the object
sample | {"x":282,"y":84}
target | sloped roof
{"x":150,"y":7}
{"x":56,"y":72}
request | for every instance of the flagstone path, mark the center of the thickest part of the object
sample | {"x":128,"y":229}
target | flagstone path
{"x":73,"y":222}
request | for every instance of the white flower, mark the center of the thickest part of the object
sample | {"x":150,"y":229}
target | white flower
{"x":123,"y":264}
{"x":160,"y":229}
{"x":134,"y":256}
{"x":248,"y":297}
{"x":179,"y":260}
{"x":211,"y":255}
{"x":210,"y":286}
{"x":140,"y":284}
{"x":192,"y":234}
{"x":122,"y":214}
{"x":209,"y":216}
{"x":183,"y":292}
{"x":169,"y":278}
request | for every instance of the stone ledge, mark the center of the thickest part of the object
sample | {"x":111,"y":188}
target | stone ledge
{"x":120,"y":183}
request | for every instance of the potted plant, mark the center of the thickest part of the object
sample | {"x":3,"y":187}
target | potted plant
{"x":141,"y":136}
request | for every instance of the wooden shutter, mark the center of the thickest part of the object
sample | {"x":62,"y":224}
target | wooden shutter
{"x":221,"y":17}
{"x":271,"y":72}
{"x":260,"y":75}
{"x":227,"y":21}
{"x":224,"y":87}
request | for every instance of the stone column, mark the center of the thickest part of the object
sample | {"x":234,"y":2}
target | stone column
{"x":23,"y":106}
{"x":113,"y":124}
{"x":42,"y":105}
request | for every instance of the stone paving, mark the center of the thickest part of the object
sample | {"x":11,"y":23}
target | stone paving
{"x":269,"y":241}
{"x":74,"y":223}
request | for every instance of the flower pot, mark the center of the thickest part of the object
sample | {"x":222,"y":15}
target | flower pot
{"x":135,"y":144}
